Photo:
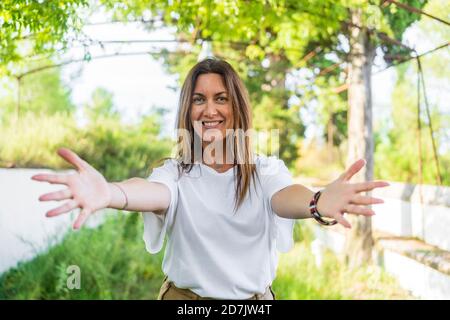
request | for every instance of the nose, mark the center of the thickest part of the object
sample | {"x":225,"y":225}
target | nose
{"x":210,"y":110}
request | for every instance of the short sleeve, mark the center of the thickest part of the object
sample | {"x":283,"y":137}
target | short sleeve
{"x":275,"y":176}
{"x":156,"y":225}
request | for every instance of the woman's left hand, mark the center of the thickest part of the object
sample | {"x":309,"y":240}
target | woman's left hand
{"x":341,"y":197}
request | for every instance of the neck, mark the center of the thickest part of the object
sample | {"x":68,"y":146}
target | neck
{"x":215,"y":154}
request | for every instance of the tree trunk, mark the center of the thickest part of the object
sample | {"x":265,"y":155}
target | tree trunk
{"x":18,"y":102}
{"x":330,"y":137}
{"x":278,"y":63}
{"x":359,"y":241}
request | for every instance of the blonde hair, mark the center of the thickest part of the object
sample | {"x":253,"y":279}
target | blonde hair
{"x":241,"y":110}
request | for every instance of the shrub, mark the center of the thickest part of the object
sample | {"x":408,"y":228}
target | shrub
{"x":118,"y":151}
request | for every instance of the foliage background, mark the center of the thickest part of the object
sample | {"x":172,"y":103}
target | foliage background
{"x":268,"y":49}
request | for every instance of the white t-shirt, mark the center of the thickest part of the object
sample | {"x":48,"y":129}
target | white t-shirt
{"x":212,"y":250}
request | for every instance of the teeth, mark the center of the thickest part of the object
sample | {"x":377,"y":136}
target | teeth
{"x":211,"y":123}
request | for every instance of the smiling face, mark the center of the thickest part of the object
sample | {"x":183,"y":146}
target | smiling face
{"x":211,"y":109}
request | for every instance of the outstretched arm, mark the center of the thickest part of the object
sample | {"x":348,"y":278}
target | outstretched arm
{"x":337,"y":198}
{"x":88,"y":190}
{"x":142,"y":195}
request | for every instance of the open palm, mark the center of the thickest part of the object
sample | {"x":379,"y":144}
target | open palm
{"x":87,"y":189}
{"x":341,"y":196}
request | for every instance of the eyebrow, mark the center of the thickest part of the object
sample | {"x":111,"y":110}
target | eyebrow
{"x":200,"y":94}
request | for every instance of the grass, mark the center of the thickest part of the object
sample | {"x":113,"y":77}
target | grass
{"x":299,"y":278}
{"x":113,"y":262}
{"x":115,"y":265}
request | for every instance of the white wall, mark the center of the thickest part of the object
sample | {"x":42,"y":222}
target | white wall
{"x":409,"y":211}
{"x":24,"y":229}
{"x":404,"y":214}
{"x":421,"y":280}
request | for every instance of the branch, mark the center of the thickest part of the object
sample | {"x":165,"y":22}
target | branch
{"x":384,"y":37}
{"x":415,"y":56}
{"x":142,"y":20}
{"x":141,"y":41}
{"x":117,"y":54}
{"x":415,"y":10}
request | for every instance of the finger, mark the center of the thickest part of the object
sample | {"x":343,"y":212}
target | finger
{"x":84,"y":214}
{"x":66,"y":207}
{"x":340,"y":219}
{"x":52,"y":178}
{"x":365,"y":200}
{"x":57,"y":195}
{"x":354,"y":168}
{"x":364,"y":211}
{"x":370,"y":185}
{"x":72,"y":158}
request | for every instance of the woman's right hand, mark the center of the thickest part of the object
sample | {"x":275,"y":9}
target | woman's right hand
{"x":87,"y":189}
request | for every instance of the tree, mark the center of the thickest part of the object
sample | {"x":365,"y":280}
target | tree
{"x":42,"y":92}
{"x":288,"y":29}
{"x":101,"y":106}
{"x":397,"y":146}
{"x":33,"y":30}
{"x":35,"y":27}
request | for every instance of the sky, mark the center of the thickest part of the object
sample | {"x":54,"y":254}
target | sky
{"x":137,"y":82}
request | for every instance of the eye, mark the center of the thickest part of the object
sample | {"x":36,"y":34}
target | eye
{"x":198,"y":100}
{"x":222,"y":99}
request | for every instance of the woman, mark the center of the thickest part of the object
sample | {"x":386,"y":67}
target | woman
{"x":225,"y":210}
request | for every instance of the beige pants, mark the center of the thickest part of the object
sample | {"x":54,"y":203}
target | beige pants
{"x":170,"y":292}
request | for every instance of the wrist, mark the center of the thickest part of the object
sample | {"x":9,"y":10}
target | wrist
{"x":117,"y":198}
{"x":316,"y":213}
{"x":319,"y":204}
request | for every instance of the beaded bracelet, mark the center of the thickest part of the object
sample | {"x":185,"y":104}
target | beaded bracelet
{"x":315,"y":213}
